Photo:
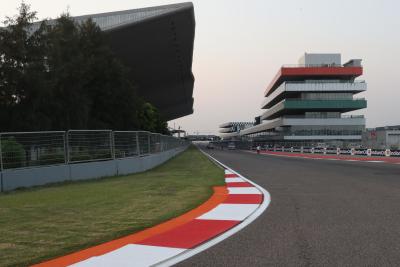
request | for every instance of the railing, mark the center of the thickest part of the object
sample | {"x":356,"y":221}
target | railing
{"x":332,"y":150}
{"x":29,"y":149}
{"x":322,"y":99}
{"x":316,"y":65}
{"x":322,"y":117}
{"x":322,"y":81}
{"x":352,"y":117}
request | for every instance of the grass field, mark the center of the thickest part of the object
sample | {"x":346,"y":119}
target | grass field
{"x":42,"y":223}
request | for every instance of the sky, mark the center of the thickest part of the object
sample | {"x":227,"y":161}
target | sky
{"x":241,"y":44}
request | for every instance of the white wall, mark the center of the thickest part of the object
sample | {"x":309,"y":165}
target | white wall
{"x":318,"y":59}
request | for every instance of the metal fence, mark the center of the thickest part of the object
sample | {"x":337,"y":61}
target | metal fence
{"x":354,"y":151}
{"x":29,"y":149}
{"x":334,"y":150}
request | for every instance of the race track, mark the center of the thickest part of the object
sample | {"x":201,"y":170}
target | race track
{"x":322,"y":213}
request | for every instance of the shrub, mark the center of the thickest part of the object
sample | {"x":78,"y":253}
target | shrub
{"x":13,"y":153}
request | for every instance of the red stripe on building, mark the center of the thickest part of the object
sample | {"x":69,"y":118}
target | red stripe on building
{"x":244,"y":199}
{"x":318,"y":71}
{"x":285,"y":73}
{"x":190,"y":234}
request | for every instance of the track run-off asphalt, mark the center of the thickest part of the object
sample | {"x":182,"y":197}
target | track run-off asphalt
{"x":322,"y":213}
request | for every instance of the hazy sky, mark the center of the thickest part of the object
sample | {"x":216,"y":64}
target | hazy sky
{"x":240,"y":45}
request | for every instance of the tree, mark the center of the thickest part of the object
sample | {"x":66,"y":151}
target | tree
{"x":64,"y":75}
{"x":70,"y":102}
{"x":151,"y":120}
{"x":22,"y":73}
{"x":114,"y":100}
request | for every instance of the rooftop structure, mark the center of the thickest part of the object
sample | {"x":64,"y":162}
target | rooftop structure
{"x":304,"y":104}
{"x":156,"y":43}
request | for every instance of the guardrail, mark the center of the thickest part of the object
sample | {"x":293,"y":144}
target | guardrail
{"x":322,"y":117}
{"x":316,"y":65}
{"x":338,"y":151}
{"x":31,"y":149}
{"x":333,"y":99}
{"x":324,"y":81}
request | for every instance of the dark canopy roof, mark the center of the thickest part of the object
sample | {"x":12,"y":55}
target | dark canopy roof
{"x":156,"y":43}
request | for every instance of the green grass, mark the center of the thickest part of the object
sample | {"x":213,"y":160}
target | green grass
{"x":45,"y":222}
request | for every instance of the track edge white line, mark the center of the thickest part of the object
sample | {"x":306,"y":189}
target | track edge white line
{"x":191,"y":252}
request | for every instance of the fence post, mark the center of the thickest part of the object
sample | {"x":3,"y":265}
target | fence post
{"x":112,"y":145}
{"x":148,"y":140}
{"x":159,"y":143}
{"x":66,"y":143}
{"x":1,"y":156}
{"x":137,"y":144}
{"x":1,"y":167}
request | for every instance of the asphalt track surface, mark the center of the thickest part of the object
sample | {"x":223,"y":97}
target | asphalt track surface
{"x":322,"y":213}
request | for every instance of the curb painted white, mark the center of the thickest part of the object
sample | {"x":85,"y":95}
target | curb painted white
{"x":191,"y":252}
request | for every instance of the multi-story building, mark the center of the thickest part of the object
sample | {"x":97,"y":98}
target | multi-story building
{"x":387,"y":137}
{"x":231,"y":130}
{"x":305,"y":104}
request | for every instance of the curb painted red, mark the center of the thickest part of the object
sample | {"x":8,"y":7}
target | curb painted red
{"x":334,"y":157}
{"x":229,"y":206}
{"x":219,"y":195}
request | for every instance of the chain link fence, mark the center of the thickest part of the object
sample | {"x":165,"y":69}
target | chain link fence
{"x":29,"y":149}
{"x":89,"y":145}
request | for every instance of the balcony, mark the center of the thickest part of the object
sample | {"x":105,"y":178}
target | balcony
{"x":323,"y":117}
{"x":287,"y":121}
{"x":229,"y":135}
{"x":296,"y":106}
{"x":227,"y":130}
{"x":304,"y":72}
{"x":301,"y":120}
{"x":291,"y":88}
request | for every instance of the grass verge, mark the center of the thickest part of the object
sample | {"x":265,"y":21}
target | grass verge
{"x":42,"y":223}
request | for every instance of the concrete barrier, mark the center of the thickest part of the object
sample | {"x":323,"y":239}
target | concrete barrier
{"x":89,"y":170}
{"x":15,"y":178}
{"x":41,"y":175}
